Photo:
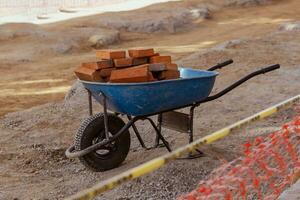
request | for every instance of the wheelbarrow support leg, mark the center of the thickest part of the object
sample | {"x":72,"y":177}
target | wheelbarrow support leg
{"x":137,"y":133}
{"x":90,"y":103}
{"x":191,"y":133}
{"x":159,"y":121}
{"x":105,"y":117}
{"x":159,"y":134}
{"x":191,"y":124}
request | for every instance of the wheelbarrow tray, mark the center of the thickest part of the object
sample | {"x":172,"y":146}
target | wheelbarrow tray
{"x":138,"y":99}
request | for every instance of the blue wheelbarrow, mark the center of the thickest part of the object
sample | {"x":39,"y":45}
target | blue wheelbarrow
{"x":103,"y":140}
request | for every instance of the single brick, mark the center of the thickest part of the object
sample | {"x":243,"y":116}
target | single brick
{"x":139,"y":53}
{"x":123,"y":62}
{"x":106,"y":72}
{"x":110,"y":54}
{"x":172,"y":66}
{"x":131,"y":75}
{"x":169,"y":74}
{"x":87,"y":74}
{"x":157,"y":67}
{"x":102,"y":64}
{"x":91,"y":65}
{"x":139,"y":61}
{"x":160,"y":59}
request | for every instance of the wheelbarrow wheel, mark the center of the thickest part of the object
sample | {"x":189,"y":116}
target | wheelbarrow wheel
{"x":91,"y":132}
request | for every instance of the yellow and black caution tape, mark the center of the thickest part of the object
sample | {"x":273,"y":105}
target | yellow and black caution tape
{"x":156,"y":163}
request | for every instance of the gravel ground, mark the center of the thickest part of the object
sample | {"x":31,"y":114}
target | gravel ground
{"x":291,"y":193}
{"x":33,"y":141}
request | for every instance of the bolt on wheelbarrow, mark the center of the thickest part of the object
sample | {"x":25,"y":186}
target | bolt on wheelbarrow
{"x":103,"y":140}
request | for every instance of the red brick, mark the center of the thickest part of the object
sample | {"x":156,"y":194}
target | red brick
{"x":87,"y":74}
{"x":172,"y":66}
{"x":160,"y":59}
{"x":157,"y":67}
{"x":169,"y":74}
{"x":123,"y":62}
{"x":139,"y":61}
{"x":91,"y":65}
{"x":110,"y":54}
{"x":106,"y":72}
{"x":131,"y":75}
{"x":102,"y":64}
{"x":139,"y":53}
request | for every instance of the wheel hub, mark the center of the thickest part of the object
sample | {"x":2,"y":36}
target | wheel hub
{"x":106,"y":149}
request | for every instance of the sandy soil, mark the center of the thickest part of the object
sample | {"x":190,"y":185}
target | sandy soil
{"x":33,"y":141}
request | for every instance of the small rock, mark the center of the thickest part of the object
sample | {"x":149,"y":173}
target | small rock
{"x":229,"y":44}
{"x":27,"y":162}
{"x":290,"y":27}
{"x":77,"y":170}
{"x":103,"y":39}
{"x":200,"y":13}
{"x":62,"y":48}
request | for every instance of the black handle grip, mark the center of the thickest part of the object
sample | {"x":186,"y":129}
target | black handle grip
{"x":269,"y":69}
{"x":239,"y":82}
{"x":221,"y":65}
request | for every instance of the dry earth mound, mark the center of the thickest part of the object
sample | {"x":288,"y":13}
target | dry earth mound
{"x":30,"y":41}
{"x":247,"y":2}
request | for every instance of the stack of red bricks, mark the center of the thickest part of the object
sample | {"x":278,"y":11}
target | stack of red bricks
{"x":141,"y":65}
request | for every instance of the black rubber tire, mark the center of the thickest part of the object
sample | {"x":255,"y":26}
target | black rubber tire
{"x":93,"y":128}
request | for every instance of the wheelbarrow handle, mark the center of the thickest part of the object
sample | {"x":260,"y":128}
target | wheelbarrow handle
{"x":268,"y":69}
{"x":241,"y":81}
{"x":220,"y":65}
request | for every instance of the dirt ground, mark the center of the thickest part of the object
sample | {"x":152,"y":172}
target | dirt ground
{"x":38,"y":70}
{"x":47,"y":63}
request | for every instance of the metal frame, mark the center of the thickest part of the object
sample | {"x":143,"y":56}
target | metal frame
{"x":131,"y":123}
{"x":158,"y":127}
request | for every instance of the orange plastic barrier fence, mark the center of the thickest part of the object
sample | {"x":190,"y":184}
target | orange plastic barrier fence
{"x":270,"y":164}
